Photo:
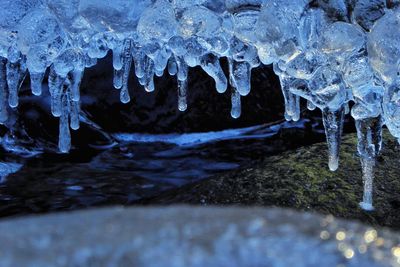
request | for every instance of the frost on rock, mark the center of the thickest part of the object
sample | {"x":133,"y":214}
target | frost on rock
{"x":327,"y":52}
{"x":193,"y":237}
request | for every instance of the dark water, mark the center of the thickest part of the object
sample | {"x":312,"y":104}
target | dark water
{"x":140,"y":166}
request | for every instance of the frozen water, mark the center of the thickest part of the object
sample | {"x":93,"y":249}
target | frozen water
{"x":366,"y":12}
{"x":118,"y":15}
{"x":327,"y":52}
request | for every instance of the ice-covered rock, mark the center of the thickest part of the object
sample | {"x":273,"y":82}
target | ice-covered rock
{"x":193,"y":237}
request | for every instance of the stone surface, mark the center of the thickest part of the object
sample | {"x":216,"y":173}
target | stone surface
{"x":190,"y":236}
{"x":301,"y":179}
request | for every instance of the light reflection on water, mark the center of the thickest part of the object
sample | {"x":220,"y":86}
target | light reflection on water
{"x":141,"y":166}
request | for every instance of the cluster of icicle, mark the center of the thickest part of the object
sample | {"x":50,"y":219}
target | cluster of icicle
{"x":328,"y":52}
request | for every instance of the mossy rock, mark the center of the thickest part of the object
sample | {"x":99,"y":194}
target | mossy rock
{"x":301,"y":179}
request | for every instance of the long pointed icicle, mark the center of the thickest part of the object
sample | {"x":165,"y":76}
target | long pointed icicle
{"x":182,"y":94}
{"x":149,"y":76}
{"x":333,"y":123}
{"x":296,"y":108}
{"x":16,"y":73}
{"x":240,"y":73}
{"x":182,"y":77}
{"x":210,"y":64}
{"x":126,"y":68}
{"x":56,"y":85}
{"x":122,"y":61}
{"x":72,"y":87}
{"x":236,"y":103}
{"x":236,"y":109}
{"x":64,"y":140}
{"x":3,"y":91}
{"x":369,"y":132}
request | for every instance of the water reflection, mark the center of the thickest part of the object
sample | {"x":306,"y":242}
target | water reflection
{"x":141,"y":166}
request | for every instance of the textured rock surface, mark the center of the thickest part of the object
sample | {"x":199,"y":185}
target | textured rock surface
{"x":301,"y":179}
{"x":189,"y":236}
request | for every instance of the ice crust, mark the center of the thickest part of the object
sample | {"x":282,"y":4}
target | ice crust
{"x":187,"y":236}
{"x":327,"y":52}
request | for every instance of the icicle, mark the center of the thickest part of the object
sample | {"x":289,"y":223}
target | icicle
{"x":142,"y":80}
{"x":149,"y":75}
{"x":127,"y":62}
{"x":3,"y":91}
{"x":74,"y":112}
{"x":118,"y":77}
{"x":182,"y":94}
{"x":117,"y":56}
{"x":183,"y":68}
{"x":56,"y":85}
{"x":369,"y":132}
{"x":368,"y":166}
{"x":124,"y":95}
{"x":64,"y":141}
{"x":296,"y":114}
{"x":310,"y":105}
{"x":346,"y":108}
{"x":126,"y":68}
{"x":13,"y":54}
{"x":71,"y":86}
{"x":210,"y":64}
{"x":240,"y":73}
{"x":161,"y":61}
{"x":333,"y":123}
{"x":36,"y":83}
{"x":292,"y":102}
{"x":172,"y":67}
{"x":149,"y":86}
{"x":236,"y":109}
{"x":16,"y":73}
{"x":122,"y":65}
{"x":140,"y":63}
{"x":159,"y":73}
{"x":182,"y":77}
{"x":75,"y":79}
{"x":236,"y":103}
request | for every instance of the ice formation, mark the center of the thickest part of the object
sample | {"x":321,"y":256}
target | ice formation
{"x":330,"y":53}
